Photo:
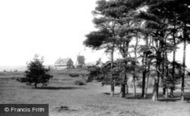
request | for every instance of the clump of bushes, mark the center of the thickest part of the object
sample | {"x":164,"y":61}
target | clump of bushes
{"x":78,"y":82}
{"x":22,"y":80}
{"x":74,"y":75}
{"x":94,"y":73}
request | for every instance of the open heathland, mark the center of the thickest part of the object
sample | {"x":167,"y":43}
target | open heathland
{"x":67,"y":98}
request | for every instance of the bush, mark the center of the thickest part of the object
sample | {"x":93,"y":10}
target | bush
{"x":94,"y":73}
{"x":73,"y":75}
{"x":79,"y":83}
{"x":22,"y":80}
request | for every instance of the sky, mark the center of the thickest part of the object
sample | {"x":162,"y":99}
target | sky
{"x":49,"y":28}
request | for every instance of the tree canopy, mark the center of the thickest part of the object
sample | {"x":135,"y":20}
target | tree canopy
{"x":146,"y":31}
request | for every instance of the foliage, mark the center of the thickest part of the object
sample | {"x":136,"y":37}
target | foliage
{"x":159,"y":27}
{"x":78,"y":82}
{"x":36,"y":72}
{"x":94,"y":73}
{"x":74,"y":75}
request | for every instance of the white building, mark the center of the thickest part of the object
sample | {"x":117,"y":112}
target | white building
{"x":63,"y":63}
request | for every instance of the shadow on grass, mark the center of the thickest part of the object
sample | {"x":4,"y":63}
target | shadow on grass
{"x":59,"y":88}
{"x":128,"y":96}
{"x":139,"y":96}
{"x":149,"y":97}
{"x":187,"y":99}
{"x":115,"y":94}
{"x":174,"y":99}
{"x":106,"y":93}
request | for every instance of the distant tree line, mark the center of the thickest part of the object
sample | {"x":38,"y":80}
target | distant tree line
{"x":145,"y":32}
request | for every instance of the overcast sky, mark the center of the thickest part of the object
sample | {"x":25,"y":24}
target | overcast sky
{"x":50,"y":28}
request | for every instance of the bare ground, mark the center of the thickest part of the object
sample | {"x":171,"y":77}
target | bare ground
{"x":66,"y":99}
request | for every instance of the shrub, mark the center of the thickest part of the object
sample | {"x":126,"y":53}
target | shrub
{"x":73,"y":74}
{"x":36,"y":73}
{"x":79,"y":82}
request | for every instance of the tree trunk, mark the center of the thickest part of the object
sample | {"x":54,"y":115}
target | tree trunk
{"x":35,"y":85}
{"x":167,"y":74}
{"x":144,"y":75}
{"x":122,"y":92}
{"x":134,"y":86}
{"x":147,"y":82}
{"x":173,"y":70}
{"x":112,"y":90}
{"x":127,"y":87}
{"x":156,"y":81}
{"x":123,"y":89}
{"x":123,"y":85}
{"x":134,"y":74}
{"x":184,"y":63}
{"x":158,"y":71}
{"x":146,"y":88}
{"x":163,"y":73}
{"x":143,"y":83}
{"x":112,"y":79}
{"x":155,"y":94}
{"x":166,"y":93}
{"x":171,"y":92}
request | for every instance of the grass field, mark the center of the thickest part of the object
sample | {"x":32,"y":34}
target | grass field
{"x":65,"y":98}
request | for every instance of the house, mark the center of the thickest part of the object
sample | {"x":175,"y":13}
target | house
{"x":63,"y":63}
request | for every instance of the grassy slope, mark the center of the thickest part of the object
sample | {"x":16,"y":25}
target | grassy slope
{"x":89,"y":100}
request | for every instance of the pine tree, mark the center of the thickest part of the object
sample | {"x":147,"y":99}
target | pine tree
{"x":36,"y":72}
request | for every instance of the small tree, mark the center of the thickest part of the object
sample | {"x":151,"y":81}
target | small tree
{"x":36,"y":72}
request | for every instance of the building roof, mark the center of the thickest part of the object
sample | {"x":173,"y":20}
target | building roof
{"x":62,"y":61}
